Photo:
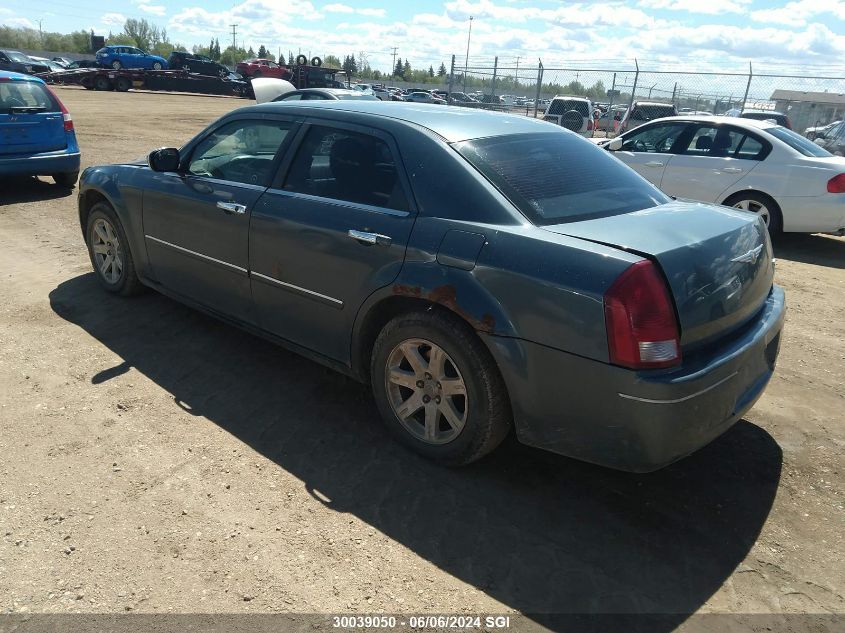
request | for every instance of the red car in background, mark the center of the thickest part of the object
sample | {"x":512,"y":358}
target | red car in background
{"x":263,"y":68}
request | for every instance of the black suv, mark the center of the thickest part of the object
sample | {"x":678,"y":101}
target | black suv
{"x":196,"y":64}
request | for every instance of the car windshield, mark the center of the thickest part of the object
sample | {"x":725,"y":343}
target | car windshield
{"x":15,"y":56}
{"x":797,"y":142}
{"x":557,"y":177}
{"x":26,"y":95}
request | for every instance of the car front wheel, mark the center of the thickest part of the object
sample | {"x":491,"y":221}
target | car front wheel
{"x":109,"y":251}
{"x":66,"y":179}
{"x":116,"y":65}
{"x":438,"y":389}
{"x":157,"y":66}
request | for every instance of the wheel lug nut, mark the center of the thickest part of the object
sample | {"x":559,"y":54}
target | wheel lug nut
{"x":439,"y":386}
{"x":437,"y":399}
{"x":420,"y":384}
{"x":428,"y":376}
{"x":426,"y":399}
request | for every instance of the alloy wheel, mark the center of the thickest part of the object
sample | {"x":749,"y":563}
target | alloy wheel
{"x":426,"y":391}
{"x":108,"y":252}
{"x":755,"y":207}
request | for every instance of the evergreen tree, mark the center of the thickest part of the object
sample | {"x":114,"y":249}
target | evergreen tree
{"x":431,"y":71}
{"x":290,"y":58}
{"x":250,"y":52}
{"x":406,"y":69}
{"x":441,"y":72}
{"x":262,"y":52}
{"x":399,"y":71}
{"x":349,"y":65}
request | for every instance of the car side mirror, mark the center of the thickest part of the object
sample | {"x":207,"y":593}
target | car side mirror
{"x":164,"y":159}
{"x":615,"y":145}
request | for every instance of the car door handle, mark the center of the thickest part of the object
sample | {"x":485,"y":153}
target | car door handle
{"x":370,"y":238}
{"x":732,"y":170}
{"x":232,"y":207}
{"x":654,"y":163}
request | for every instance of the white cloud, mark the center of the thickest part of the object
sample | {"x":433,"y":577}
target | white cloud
{"x":154,"y":9}
{"x":113,"y":19}
{"x":21,"y":22}
{"x":800,"y":12}
{"x":345,"y":8}
{"x":705,"y":7}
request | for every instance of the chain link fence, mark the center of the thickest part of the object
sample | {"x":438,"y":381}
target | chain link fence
{"x":809,"y":101}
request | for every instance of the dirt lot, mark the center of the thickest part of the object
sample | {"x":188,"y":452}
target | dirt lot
{"x":155,"y":460}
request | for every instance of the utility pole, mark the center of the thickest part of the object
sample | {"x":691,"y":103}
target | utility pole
{"x":393,"y":68}
{"x":517,"y":70}
{"x":40,"y":34}
{"x":234,"y":42}
{"x":466,"y":63}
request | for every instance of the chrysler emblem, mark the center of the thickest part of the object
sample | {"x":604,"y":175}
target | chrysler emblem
{"x":750,"y":257}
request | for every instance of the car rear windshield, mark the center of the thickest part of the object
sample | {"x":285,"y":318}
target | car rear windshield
{"x":797,"y":142}
{"x":557,"y":176}
{"x":649,"y":112}
{"x":16,"y":96}
{"x":562,"y":106}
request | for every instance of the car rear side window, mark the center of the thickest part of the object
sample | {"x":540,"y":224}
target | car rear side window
{"x":649,"y":112}
{"x":26,"y":95}
{"x":345,"y":165}
{"x":557,"y":177}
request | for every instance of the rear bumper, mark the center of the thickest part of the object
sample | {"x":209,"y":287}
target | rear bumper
{"x":40,"y":164}
{"x":814,"y":214}
{"x":637,"y":421}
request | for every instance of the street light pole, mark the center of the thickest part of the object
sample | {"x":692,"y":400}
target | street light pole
{"x":466,"y":63}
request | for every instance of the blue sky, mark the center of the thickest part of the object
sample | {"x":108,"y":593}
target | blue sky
{"x":711,"y":34}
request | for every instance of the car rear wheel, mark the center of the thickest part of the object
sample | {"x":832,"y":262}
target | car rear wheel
{"x":109,"y":252}
{"x":122,"y":84}
{"x":256,"y":74}
{"x":116,"y":65}
{"x":157,"y":66}
{"x":438,"y":389}
{"x":102,"y":83}
{"x":66,"y":179}
{"x":761,"y":205}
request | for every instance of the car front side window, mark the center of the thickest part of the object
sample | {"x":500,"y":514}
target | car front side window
{"x":350,"y":166}
{"x":655,"y":139}
{"x":241,"y":151}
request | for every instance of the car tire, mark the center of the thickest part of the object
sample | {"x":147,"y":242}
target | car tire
{"x":122,"y":84}
{"x":477,"y":421}
{"x":116,"y":65}
{"x":101,"y":228}
{"x":760,"y":204}
{"x":157,"y":66}
{"x":572,"y":120}
{"x":67,"y":179}
{"x":102,"y":82}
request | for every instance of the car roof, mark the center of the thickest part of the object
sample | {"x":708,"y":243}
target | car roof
{"x":732,"y":120}
{"x":8,"y":75}
{"x":570,"y":98}
{"x":452,"y":124}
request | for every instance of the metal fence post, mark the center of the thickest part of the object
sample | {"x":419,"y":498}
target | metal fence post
{"x":451,"y":81}
{"x":539,"y":86}
{"x":634,"y":89}
{"x":611,"y":94}
{"x":674,"y":92}
{"x":747,"y":87}
{"x":495,"y":71}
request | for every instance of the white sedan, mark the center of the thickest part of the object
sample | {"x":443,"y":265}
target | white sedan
{"x":759,"y":166}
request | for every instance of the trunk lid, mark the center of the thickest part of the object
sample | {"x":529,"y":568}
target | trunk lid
{"x":717,"y":261}
{"x":31,"y":120}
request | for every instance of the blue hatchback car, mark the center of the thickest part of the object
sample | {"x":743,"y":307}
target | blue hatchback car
{"x":36,"y":131}
{"x":129,"y":57}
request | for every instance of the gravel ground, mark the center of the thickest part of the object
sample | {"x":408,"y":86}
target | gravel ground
{"x":155,"y":460}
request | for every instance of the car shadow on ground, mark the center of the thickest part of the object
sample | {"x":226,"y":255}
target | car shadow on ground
{"x":821,"y":250}
{"x":538,"y":532}
{"x":29,"y":189}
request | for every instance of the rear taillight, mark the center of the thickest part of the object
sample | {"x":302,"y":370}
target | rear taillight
{"x":65,"y":114}
{"x":642,"y":331}
{"x":836,"y":184}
